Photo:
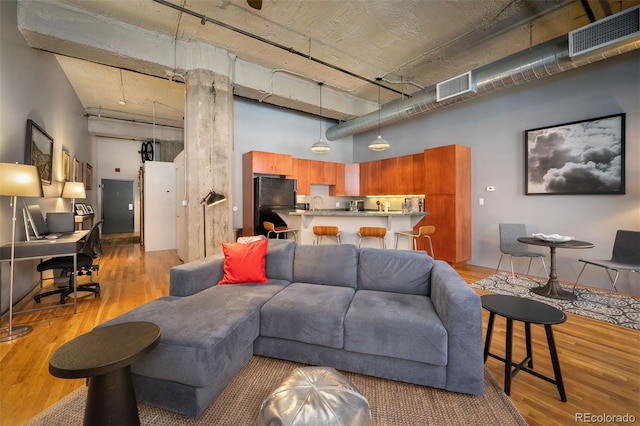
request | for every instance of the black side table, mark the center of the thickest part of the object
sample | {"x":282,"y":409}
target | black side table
{"x":530,"y":312}
{"x":105,"y":355}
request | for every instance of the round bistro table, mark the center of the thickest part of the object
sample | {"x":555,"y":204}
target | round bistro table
{"x":104,"y":356}
{"x":552,"y":288}
{"x":529,"y":312}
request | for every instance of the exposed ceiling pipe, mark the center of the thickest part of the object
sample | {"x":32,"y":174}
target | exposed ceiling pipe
{"x":541,"y":61}
{"x":204,"y":19}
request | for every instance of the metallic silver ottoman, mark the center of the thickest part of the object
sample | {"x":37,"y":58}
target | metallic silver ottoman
{"x":315,"y":396}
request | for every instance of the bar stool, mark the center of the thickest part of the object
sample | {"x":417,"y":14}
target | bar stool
{"x":423,"y":232}
{"x":325,"y":231}
{"x":372,"y":232}
{"x":270,"y":227}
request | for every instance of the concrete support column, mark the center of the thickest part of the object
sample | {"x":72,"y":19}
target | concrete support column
{"x":208,"y":142}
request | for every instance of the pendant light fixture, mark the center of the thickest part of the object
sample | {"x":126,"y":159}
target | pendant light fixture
{"x":379,"y":143}
{"x":320,"y":147}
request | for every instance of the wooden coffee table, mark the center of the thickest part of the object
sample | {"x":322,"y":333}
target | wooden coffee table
{"x":105,"y":355}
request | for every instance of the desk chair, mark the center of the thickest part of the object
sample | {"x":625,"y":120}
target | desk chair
{"x":85,"y":266}
{"x":277,"y":230}
{"x":509,"y":245}
{"x":625,"y":257}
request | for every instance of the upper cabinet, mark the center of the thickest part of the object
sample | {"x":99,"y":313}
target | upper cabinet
{"x":301,"y":174}
{"x":271,"y":163}
{"x":391,"y":176}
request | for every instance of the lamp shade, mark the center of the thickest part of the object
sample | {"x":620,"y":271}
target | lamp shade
{"x":320,"y":147}
{"x":213,"y":198}
{"x":73,"y":190}
{"x":379,"y":144}
{"x":20,"y":180}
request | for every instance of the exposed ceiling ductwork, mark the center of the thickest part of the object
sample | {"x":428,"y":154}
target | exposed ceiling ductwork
{"x":541,"y":61}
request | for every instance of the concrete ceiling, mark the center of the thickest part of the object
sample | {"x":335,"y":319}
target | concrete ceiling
{"x":411,"y":44}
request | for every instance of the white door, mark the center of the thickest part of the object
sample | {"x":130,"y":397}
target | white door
{"x":159,"y":206}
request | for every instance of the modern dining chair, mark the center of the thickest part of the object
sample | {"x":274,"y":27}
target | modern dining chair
{"x":91,"y":250}
{"x":625,"y":257}
{"x":509,"y":245}
{"x":277,"y":230}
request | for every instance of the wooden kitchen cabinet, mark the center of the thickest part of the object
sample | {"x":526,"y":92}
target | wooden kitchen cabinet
{"x":370,"y":178}
{"x":271,"y":163}
{"x":301,"y":174}
{"x":448,"y":201}
{"x":338,"y":189}
{"x":352,"y":179}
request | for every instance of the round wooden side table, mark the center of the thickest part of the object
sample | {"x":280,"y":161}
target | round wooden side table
{"x":104,"y":356}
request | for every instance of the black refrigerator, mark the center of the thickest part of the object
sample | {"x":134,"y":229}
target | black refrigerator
{"x":272,"y":194}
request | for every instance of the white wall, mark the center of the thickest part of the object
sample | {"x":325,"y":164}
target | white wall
{"x":493,"y":126}
{"x":33,"y":86}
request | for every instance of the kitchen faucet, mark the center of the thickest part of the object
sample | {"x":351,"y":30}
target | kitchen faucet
{"x":314,"y":204}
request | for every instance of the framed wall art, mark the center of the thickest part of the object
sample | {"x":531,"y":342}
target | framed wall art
{"x":77,"y":170}
{"x":582,"y":157}
{"x":88,"y":175}
{"x":65,"y":165}
{"x":39,"y":151}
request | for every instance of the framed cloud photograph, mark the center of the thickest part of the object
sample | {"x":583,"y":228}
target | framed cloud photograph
{"x":582,"y":157}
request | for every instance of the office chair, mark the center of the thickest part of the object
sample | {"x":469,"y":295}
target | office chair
{"x":91,"y":249}
{"x":509,"y":245}
{"x":625,"y":257}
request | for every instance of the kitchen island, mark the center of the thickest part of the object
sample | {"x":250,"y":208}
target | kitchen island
{"x":350,"y":221}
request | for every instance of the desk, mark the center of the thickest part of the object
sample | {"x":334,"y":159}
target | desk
{"x":67,"y":245}
{"x":552,"y":288}
{"x":79,"y":220}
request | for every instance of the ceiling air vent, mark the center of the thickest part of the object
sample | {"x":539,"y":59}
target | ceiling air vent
{"x":455,"y":86}
{"x":615,"y":29}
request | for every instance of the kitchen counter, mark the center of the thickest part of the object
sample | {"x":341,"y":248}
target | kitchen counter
{"x":330,"y":212}
{"x":350,"y":222}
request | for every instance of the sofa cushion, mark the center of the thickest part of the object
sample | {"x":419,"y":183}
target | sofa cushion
{"x":244,"y":262}
{"x":396,"y":271}
{"x":335,"y":265}
{"x":201,"y":334}
{"x":395,"y":325}
{"x":307,"y":313}
{"x":280,"y":254}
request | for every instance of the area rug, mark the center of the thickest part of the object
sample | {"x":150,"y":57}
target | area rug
{"x":392,"y":403}
{"x":621,"y":310}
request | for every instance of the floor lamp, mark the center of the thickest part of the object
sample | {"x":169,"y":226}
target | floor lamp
{"x":211,"y":199}
{"x":17,"y":180}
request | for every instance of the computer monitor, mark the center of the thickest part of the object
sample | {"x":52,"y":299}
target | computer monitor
{"x":36,"y":220}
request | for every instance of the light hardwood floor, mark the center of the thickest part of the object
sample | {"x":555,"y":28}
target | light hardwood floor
{"x":599,"y":361}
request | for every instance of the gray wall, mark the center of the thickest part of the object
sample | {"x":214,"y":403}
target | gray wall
{"x":33,"y":86}
{"x":493,"y":127}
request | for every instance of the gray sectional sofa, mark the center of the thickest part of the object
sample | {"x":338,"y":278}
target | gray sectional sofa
{"x":387,"y":313}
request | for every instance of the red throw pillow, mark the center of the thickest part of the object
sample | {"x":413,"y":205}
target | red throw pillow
{"x":245,"y":263}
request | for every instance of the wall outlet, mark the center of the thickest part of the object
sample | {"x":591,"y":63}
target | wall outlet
{"x":481,"y":201}
{"x":337,"y":204}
